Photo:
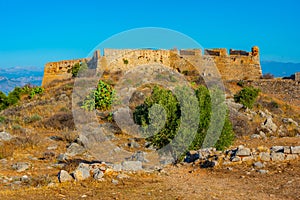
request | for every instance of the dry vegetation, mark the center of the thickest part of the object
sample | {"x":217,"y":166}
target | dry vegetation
{"x":34,"y":122}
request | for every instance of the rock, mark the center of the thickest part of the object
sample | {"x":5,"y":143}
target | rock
{"x":295,"y":149}
{"x":132,"y":165}
{"x":25,"y":179}
{"x":264,"y":156}
{"x":117,"y":167}
{"x":286,"y":149}
{"x":243,"y":152}
{"x":4,"y":136}
{"x":138,"y":156}
{"x":20,"y":166}
{"x":258,"y":165}
{"x":52,"y":147}
{"x":98,"y":175}
{"x":82,"y":172}
{"x":209,"y":164}
{"x":62,"y":158}
{"x":291,"y":157}
{"x":191,"y":156}
{"x":277,"y":156}
{"x":262,"y":114}
{"x":109,"y":130}
{"x":269,"y":124}
{"x":289,"y":121}
{"x":262,"y":171}
{"x":114,"y":181}
{"x":64,"y":176}
{"x":247,"y":158}
{"x":277,"y":149}
{"x":263,"y":149}
{"x":255,"y":136}
{"x":262,"y":134}
{"x":75,"y":149}
{"x":133,"y":144}
{"x":235,"y":159}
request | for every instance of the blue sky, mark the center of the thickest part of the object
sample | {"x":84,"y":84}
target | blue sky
{"x":36,"y":32}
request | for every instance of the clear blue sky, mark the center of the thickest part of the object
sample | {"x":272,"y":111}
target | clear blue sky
{"x":35,"y":32}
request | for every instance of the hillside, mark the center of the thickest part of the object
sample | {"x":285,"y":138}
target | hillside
{"x":45,"y":141}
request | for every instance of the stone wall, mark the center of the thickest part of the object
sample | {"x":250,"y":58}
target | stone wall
{"x":59,"y":70}
{"x":297,"y":76}
{"x":237,"y":65}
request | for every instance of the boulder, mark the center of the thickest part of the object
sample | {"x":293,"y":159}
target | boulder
{"x":243,"y":152}
{"x":258,"y":165}
{"x":82,"y":172}
{"x":295,"y":150}
{"x":64,"y":176}
{"x":270,"y":125}
{"x":75,"y":149}
{"x":20,"y":166}
{"x":4,"y":136}
{"x":277,"y":156}
{"x":277,"y":149}
{"x":264,"y":156}
{"x":132,"y":165}
{"x":291,"y":157}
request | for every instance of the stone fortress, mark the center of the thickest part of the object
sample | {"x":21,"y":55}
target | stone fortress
{"x":232,"y":65}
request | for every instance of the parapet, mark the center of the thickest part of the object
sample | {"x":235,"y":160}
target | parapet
{"x":216,"y":52}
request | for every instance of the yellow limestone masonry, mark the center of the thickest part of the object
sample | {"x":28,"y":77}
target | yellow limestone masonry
{"x":232,"y":65}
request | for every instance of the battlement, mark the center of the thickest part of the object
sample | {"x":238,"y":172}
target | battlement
{"x":232,"y":65}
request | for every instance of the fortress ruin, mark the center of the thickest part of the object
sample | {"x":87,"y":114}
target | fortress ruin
{"x":232,"y":65}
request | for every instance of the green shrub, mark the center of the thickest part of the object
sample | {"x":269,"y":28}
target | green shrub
{"x":14,"y":96}
{"x":34,"y":91}
{"x":167,"y":100}
{"x":31,"y":119}
{"x":3,"y":101}
{"x":247,"y":96}
{"x":125,"y":61}
{"x":172,"y":119}
{"x":241,"y":83}
{"x":78,"y":67}
{"x":101,"y":98}
{"x":2,"y":119}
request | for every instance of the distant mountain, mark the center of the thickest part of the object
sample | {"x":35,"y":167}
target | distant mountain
{"x":280,"y":69}
{"x":19,"y":76}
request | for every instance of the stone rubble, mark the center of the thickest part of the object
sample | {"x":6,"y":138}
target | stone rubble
{"x":257,"y":156}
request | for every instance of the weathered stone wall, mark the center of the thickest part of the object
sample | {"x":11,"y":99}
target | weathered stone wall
{"x":59,"y":70}
{"x":297,"y":76}
{"x":237,"y":65}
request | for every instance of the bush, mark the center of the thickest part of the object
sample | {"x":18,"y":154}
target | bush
{"x":31,"y":119}
{"x":36,"y":90}
{"x":172,"y":119}
{"x":101,"y":98}
{"x":241,"y":83}
{"x":78,"y":67}
{"x":166,"y":99}
{"x":14,"y":96}
{"x":247,"y":96}
{"x":3,"y":101}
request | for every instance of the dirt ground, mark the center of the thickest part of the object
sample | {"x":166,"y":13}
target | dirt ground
{"x":184,"y":181}
{"x":180,"y":182}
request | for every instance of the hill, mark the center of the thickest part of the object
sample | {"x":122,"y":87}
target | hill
{"x":45,"y":141}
